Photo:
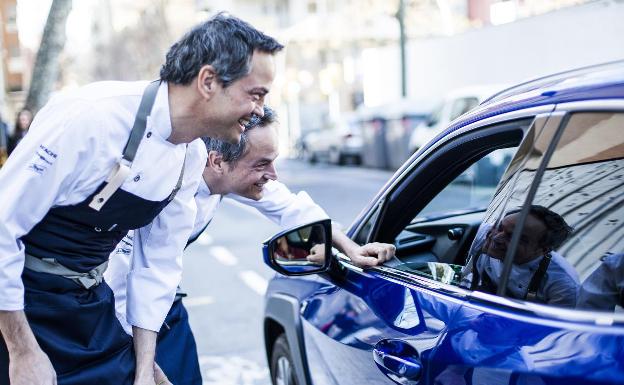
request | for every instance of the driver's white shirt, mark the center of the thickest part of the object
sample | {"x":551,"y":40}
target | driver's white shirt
{"x":278,"y":204}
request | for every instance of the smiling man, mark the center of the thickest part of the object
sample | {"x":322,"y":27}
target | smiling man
{"x":539,"y":273}
{"x":246,"y":173}
{"x":98,"y":162}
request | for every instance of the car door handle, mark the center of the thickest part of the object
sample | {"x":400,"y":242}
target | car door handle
{"x":398,"y":358}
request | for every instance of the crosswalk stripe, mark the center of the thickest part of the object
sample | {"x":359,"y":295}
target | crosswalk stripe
{"x":204,"y":239}
{"x":254,"y":281}
{"x":223,"y":255}
{"x":198,"y":301}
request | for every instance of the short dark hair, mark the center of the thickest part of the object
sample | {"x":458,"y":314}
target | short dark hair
{"x":558,"y":229}
{"x":231,"y":153}
{"x":225,"y":42}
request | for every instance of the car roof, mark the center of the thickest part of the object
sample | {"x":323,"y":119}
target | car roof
{"x":573,"y":80}
{"x":604,"y":81}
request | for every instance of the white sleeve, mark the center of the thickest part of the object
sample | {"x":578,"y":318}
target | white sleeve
{"x":284,"y":207}
{"x":156,"y":266}
{"x":116,"y":274}
{"x":49,"y":163}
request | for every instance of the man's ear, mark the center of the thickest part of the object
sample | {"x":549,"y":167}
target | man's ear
{"x":215,"y":162}
{"x":207,"y":81}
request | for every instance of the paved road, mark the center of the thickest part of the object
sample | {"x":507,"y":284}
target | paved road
{"x":226,"y":279}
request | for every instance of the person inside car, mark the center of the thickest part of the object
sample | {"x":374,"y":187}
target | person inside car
{"x":539,"y":273}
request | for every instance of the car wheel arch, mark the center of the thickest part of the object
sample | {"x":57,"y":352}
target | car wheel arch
{"x":282,"y":317}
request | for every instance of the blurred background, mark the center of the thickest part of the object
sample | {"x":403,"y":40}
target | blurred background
{"x":360,"y":82}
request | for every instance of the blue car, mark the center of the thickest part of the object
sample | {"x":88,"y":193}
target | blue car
{"x":509,"y":230}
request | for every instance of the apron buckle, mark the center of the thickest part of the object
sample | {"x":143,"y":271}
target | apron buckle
{"x":115,"y":180}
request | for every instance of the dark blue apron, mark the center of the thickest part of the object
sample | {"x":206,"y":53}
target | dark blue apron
{"x":176,"y":351}
{"x":77,"y":327}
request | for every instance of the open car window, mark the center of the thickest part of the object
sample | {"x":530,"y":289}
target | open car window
{"x":446,"y":201}
{"x":442,"y":230}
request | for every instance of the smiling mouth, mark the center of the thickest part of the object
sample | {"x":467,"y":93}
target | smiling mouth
{"x":244,"y":123}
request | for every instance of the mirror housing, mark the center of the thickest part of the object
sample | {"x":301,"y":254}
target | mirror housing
{"x":302,"y":250}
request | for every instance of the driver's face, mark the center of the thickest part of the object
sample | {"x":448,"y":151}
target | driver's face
{"x":530,"y":245}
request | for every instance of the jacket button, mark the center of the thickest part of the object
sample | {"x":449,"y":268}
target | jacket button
{"x":149,"y":134}
{"x":137,"y":178}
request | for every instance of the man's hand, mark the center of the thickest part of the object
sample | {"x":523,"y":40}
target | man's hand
{"x":371,"y":254}
{"x":317,"y":254}
{"x":28,"y":364}
{"x":31,"y":367}
{"x":159,"y":376}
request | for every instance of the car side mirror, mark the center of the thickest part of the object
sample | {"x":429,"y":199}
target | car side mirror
{"x":300,"y":251}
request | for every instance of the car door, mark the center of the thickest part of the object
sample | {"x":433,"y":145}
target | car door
{"x":567,"y":326}
{"x":385,"y":324}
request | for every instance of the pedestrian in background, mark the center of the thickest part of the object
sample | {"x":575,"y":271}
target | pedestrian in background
{"x":4,"y":141}
{"x":22,"y":123}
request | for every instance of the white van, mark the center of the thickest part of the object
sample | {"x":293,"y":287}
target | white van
{"x":454,"y":104}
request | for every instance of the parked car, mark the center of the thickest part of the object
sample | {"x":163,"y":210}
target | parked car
{"x":338,"y":143}
{"x":454,"y":104}
{"x":519,"y":282}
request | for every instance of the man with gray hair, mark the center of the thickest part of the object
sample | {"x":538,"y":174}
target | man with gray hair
{"x":246,"y":173}
{"x":97,"y":162}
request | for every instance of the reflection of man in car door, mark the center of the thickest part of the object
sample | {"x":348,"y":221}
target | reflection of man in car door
{"x":538,"y":272}
{"x":604,"y":288}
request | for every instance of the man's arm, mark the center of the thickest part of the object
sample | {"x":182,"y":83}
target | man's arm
{"x":156,"y":265}
{"x":144,"y":350}
{"x":37,"y":176}
{"x":28,"y":364}
{"x":289,"y":210}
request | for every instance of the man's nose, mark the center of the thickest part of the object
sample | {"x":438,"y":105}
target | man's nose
{"x":259,"y":108}
{"x":271,"y":173}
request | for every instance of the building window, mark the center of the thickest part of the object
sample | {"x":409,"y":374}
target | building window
{"x":11,"y":17}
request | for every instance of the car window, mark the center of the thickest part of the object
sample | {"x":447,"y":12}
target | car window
{"x":584,"y":185}
{"x":436,"y":241}
{"x":463,"y":105}
{"x":473,"y":189}
{"x":430,"y":245}
{"x":570,"y":250}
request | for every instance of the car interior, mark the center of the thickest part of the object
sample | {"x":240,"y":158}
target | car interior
{"x":433,"y":214}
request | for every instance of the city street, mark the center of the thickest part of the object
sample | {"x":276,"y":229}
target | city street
{"x":225,"y":277}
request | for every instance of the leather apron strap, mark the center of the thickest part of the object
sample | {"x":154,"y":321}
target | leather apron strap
{"x":121,"y":171}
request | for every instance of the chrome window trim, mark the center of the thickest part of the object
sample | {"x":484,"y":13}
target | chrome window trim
{"x":592,"y":105}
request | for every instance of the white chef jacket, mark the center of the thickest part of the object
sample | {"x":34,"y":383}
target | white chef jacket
{"x":278,"y":204}
{"x":73,"y":144}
